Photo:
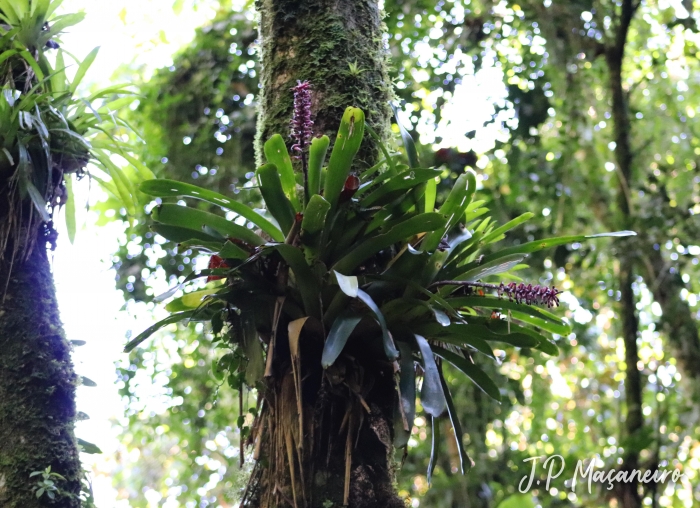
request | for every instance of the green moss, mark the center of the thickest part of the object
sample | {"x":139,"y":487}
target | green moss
{"x":37,"y":389}
{"x":317,"y":41}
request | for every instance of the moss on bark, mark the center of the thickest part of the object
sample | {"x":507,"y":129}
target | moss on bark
{"x":318,"y":41}
{"x":37,"y":389}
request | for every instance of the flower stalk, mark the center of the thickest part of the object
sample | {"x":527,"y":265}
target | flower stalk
{"x":301,"y":126}
{"x":519,"y":293}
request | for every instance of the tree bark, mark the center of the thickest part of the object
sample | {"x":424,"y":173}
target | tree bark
{"x":37,"y":390}
{"x":319,"y":41}
{"x":627,"y":494}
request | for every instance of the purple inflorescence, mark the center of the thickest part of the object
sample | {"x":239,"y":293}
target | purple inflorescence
{"x":530,"y":294}
{"x":301,"y":119}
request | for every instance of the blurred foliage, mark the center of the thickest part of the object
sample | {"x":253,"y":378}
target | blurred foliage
{"x":546,"y":148}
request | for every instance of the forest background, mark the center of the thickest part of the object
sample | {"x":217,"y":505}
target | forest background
{"x":522,"y":92}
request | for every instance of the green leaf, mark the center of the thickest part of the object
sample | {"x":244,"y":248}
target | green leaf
{"x":82,"y":69}
{"x":307,"y":282}
{"x":190,"y":300}
{"x":171,"y":188}
{"x":430,"y":195}
{"x":174,"y":318}
{"x":498,"y":232}
{"x":465,"y":463}
{"x":432,"y":397}
{"x":397,"y":186}
{"x":478,"y":376}
{"x":407,"y":390}
{"x":38,"y":200}
{"x":475,"y":270}
{"x":347,"y":143}
{"x":452,"y":209}
{"x":434,"y":447}
{"x":70,"y":208}
{"x":388,"y":342}
{"x":317,"y":156}
{"x":315,"y":214}
{"x":528,"y":313}
{"x":276,"y":153}
{"x":408,"y":142}
{"x":401,"y":232}
{"x":253,"y":351}
{"x":348,"y":284}
{"x":538,"y":245}
{"x":88,"y":382}
{"x":180,"y":235}
{"x":275,"y":198}
{"x":342,"y":327}
{"x":87,"y":447}
{"x":194,"y":219}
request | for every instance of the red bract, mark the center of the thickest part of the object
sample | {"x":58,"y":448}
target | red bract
{"x":216,"y":262}
{"x":352,"y":183}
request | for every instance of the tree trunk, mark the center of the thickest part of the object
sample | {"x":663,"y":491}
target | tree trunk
{"x":319,"y":443}
{"x":37,"y":389}
{"x":627,"y":494}
{"x":322,"y":41}
{"x":677,"y":323}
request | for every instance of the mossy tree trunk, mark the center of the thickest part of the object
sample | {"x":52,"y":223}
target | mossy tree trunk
{"x":37,"y":390}
{"x":336,"y":46}
{"x":344,"y":457}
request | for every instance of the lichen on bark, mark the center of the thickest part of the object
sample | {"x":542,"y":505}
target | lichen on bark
{"x":37,"y":389}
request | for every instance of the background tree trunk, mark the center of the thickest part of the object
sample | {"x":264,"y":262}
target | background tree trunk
{"x":627,"y":493}
{"x":37,"y":390}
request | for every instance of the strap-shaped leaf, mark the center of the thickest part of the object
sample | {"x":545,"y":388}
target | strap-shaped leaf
{"x":387,"y":341}
{"x":453,"y":208}
{"x":432,"y":397}
{"x":478,"y":376}
{"x":402,"y":232}
{"x":398,"y":185}
{"x":342,"y":327}
{"x":173,"y":318}
{"x":408,"y":142}
{"x":315,"y":214}
{"x":192,"y":218}
{"x":347,"y":143}
{"x":497,"y":233}
{"x":434,"y":447}
{"x":538,"y":245}
{"x":306,"y":280}
{"x":475,"y":270}
{"x":430,"y":195}
{"x":348,"y":284}
{"x":317,"y":156}
{"x":171,"y":188}
{"x":180,"y":235}
{"x":190,"y":301}
{"x":275,"y":198}
{"x":465,"y":463}
{"x":407,"y":399}
{"x":490,"y":330}
{"x":253,"y":351}
{"x":276,"y":153}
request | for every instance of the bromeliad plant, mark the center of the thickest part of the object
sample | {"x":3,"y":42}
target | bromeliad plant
{"x":340,"y":296}
{"x":48,"y":135}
